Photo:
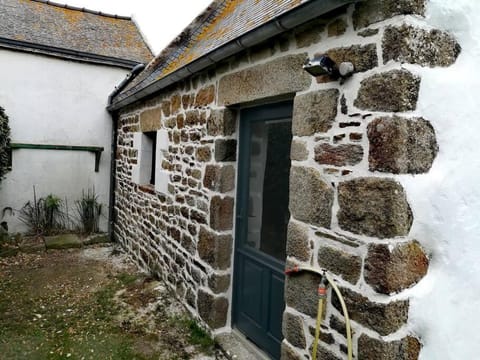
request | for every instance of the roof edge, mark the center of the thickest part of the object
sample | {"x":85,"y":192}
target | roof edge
{"x":286,"y":21}
{"x":66,"y":53}
{"x":143,"y":36}
{"x":75,"y":8}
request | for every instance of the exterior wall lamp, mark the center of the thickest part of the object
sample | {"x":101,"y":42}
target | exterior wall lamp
{"x":324,"y":65}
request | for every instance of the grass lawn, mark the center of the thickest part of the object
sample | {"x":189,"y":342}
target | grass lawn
{"x":88,"y":304}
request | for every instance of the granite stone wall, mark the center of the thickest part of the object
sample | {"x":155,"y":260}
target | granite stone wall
{"x":349,"y":213}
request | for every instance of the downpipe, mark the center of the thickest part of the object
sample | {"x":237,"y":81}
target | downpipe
{"x":322,"y":296}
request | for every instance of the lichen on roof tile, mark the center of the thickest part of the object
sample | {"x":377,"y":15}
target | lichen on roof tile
{"x":49,"y":24}
{"x":221,"y":22}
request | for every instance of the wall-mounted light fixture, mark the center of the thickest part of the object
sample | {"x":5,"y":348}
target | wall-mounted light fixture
{"x":324,"y":65}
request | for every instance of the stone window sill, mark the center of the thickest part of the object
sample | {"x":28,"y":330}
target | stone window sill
{"x":148,"y":188}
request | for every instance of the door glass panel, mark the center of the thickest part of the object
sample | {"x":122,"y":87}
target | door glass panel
{"x":268,"y":213}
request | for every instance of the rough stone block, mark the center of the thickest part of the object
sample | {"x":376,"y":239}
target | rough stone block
{"x":368,"y":32}
{"x":339,"y":326}
{"x":287,"y":353}
{"x":401,"y":146}
{"x":187,"y":100}
{"x":180,"y":121}
{"x":301,"y":292}
{"x":349,"y":241}
{"x":280,"y":76}
{"x":392,"y":91}
{"x":262,"y":51}
{"x":166,"y":108}
{"x":408,"y":44}
{"x":198,"y":216}
{"x":309,"y":33}
{"x":382,"y":318}
{"x":314,"y":112}
{"x":325,"y":337}
{"x":369,"y":12}
{"x":219,"y":178}
{"x":355,"y":136}
{"x":205,"y":96}
{"x":66,"y":241}
{"x":214,"y":249}
{"x":311,"y":198}
{"x":292,"y":329}
{"x":298,"y":150}
{"x":192,"y":117}
{"x":221,"y":213}
{"x":297,"y":241}
{"x":407,"y":348}
{"x":324,"y":354}
{"x":212,"y":309}
{"x":96,"y":239}
{"x":337,"y":28}
{"x":390,"y":271}
{"x":219,"y":283}
{"x":225,"y":150}
{"x":339,"y":262}
{"x":176,"y":102}
{"x":340,"y":155}
{"x":188,"y":244}
{"x":221,"y":122}
{"x":203,"y":154}
{"x":150,"y":119}
{"x":374,"y":207}
{"x":363,"y":57}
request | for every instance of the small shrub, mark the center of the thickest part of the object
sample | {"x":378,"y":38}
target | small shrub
{"x":89,"y":211}
{"x":45,"y":216}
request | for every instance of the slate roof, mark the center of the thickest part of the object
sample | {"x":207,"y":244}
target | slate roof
{"x":81,"y":34}
{"x":222,"y":22}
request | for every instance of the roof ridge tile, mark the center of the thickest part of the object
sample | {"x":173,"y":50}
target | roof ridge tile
{"x":83,"y":9}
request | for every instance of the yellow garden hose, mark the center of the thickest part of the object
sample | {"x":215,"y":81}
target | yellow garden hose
{"x":317,"y":328}
{"x":321,"y":300}
{"x":345,"y":315}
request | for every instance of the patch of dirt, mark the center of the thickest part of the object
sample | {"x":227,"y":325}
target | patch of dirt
{"x":92,"y":303}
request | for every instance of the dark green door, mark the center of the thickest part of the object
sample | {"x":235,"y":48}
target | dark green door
{"x":261,"y":226}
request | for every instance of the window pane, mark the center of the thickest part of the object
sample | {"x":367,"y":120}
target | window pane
{"x":268,"y":213}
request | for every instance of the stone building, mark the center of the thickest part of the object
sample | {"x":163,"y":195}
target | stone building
{"x":58,"y":65}
{"x":233,"y":162}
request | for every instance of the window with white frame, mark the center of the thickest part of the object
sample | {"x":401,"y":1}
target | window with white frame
{"x":152,"y":147}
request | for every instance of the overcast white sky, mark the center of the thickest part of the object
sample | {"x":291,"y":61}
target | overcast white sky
{"x":160,"y":20}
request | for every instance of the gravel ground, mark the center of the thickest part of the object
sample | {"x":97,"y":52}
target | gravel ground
{"x":92,"y":303}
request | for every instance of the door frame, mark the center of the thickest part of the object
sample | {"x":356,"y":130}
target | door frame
{"x":248,"y":116}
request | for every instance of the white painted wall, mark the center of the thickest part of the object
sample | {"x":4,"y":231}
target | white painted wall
{"x":54,"y":101}
{"x":446,"y":201}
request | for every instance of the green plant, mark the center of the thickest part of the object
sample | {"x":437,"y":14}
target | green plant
{"x":89,"y":211}
{"x":44,"y":216}
{"x":4,"y":144}
{"x":196,"y":334}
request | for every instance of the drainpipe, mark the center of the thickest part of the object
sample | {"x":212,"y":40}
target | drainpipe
{"x":133,"y":74}
{"x":113,"y":152}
